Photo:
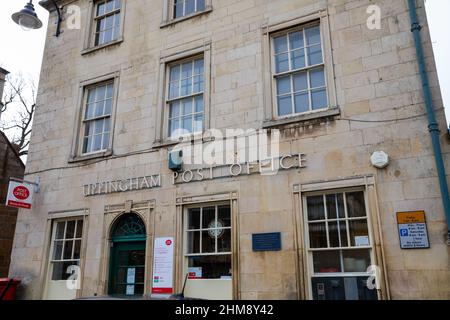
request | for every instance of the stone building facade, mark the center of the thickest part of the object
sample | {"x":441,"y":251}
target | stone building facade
{"x":11,"y":167}
{"x":335,"y":89}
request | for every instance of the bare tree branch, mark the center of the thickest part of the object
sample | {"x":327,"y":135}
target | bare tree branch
{"x":18,"y":95}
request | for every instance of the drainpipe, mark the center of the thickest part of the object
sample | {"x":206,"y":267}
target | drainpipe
{"x":433,"y":126}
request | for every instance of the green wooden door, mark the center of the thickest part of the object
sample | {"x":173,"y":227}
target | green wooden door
{"x":127,"y":269}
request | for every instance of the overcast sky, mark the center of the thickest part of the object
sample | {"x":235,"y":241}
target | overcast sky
{"x":21,"y":51}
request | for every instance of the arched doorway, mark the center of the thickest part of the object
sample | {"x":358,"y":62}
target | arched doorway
{"x":127,"y":262}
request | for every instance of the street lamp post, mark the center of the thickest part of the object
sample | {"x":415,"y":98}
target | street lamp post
{"x":27,"y":17}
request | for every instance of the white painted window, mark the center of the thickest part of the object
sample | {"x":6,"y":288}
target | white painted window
{"x":65,"y":248}
{"x":97,"y":118}
{"x":182,"y":8}
{"x":339,"y":245}
{"x":107,"y":18}
{"x":208,"y":242}
{"x":298,"y":71}
{"x":185,"y":97}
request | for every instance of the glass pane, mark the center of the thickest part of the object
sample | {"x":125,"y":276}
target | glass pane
{"x":194,"y":218}
{"x":60,"y":230}
{"x":97,"y":143}
{"x":319,"y":99}
{"x":99,"y":108}
{"x":87,"y":145}
{"x":98,"y":124}
{"x":283,"y":85}
{"x":108,"y":35}
{"x":198,"y":123}
{"x":186,"y":70}
{"x":178,"y":12}
{"x":57,"y":250}
{"x":70,"y":231}
{"x":110,"y":6}
{"x":106,"y":124}
{"x":355,"y":204}
{"x":335,"y":204}
{"x":327,"y":261}
{"x":198,"y":84}
{"x":209,"y":217}
{"x":200,"y":5}
{"x":187,"y":124}
{"x":280,"y":44}
{"x":316,"y":210}
{"x":315,"y":55}
{"x":301,"y":102}
{"x":77,"y":249}
{"x":317,"y":235}
{"x":281,"y":62}
{"x":199,"y":103}
{"x":101,"y":93}
{"x":186,"y":87}
{"x":108,"y":105}
{"x":60,"y":269}
{"x":198,"y":66}
{"x":109,"y":22}
{"x":175,"y":73}
{"x":190,"y":6}
{"x":68,"y":250}
{"x":174,"y":110}
{"x":79,"y":228}
{"x":300,"y":82}
{"x":224,"y":215}
{"x":174,"y":125}
{"x":100,"y":9}
{"x":212,"y":267}
{"x":298,"y":59}
{"x":89,"y":111}
{"x":209,"y":240}
{"x":356,"y":260}
{"x":333,"y":234}
{"x":117,"y":4}
{"x":187,"y":106}
{"x":296,"y":40}
{"x":193,"y":242}
{"x":109,"y":91}
{"x":174,"y":90}
{"x":359,"y":234}
{"x":284,"y":105}
{"x":223,"y":240}
{"x":313,"y":35}
{"x":317,"y":78}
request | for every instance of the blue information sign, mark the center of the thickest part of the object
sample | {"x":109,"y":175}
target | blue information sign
{"x":266,"y":241}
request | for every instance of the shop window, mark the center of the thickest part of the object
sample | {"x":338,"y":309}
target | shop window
{"x":340,"y":249}
{"x":208,"y":242}
{"x":66,"y":248}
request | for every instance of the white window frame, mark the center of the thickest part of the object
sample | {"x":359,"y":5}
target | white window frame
{"x":167,"y":59}
{"x":89,"y":39}
{"x":185,"y":231}
{"x":309,"y":250}
{"x":180,"y":98}
{"x":169,"y":12}
{"x":78,"y":134}
{"x":291,"y":72}
{"x":98,"y":18}
{"x":52,"y":261}
{"x":85,"y":121}
{"x":271,"y":117}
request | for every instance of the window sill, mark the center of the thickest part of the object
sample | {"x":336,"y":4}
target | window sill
{"x":331,"y":112}
{"x":165,"y":24}
{"x":91,"y":156}
{"x":186,"y":139}
{"x":105,"y":45}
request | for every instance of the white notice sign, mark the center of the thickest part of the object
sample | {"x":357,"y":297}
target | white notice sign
{"x":163,"y":266}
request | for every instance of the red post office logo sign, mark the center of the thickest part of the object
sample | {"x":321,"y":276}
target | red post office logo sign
{"x":20,"y":195}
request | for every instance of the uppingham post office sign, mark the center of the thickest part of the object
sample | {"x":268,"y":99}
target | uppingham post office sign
{"x":412,"y":229}
{"x":20,"y":194}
